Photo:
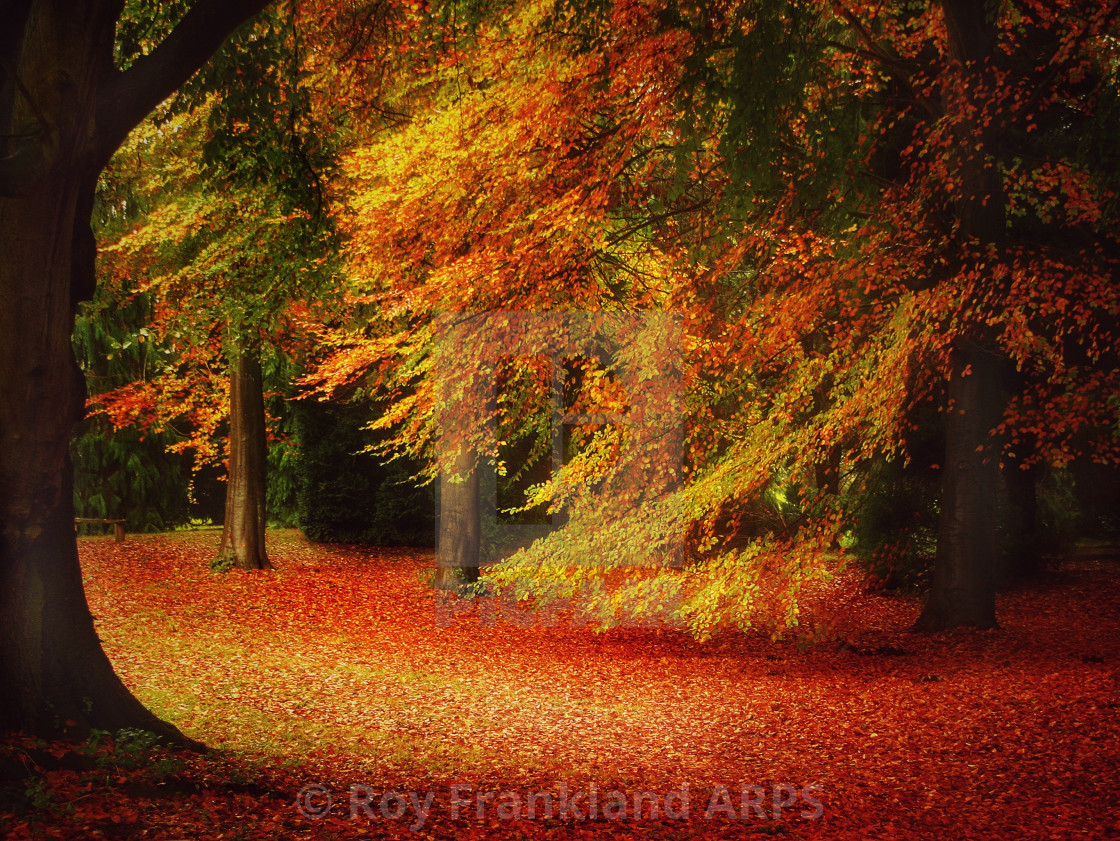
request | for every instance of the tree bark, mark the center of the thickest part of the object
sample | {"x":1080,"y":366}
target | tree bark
{"x":243,"y":532}
{"x":54,"y":676}
{"x":460,"y":525}
{"x":63,"y":111}
{"x":963,"y":591}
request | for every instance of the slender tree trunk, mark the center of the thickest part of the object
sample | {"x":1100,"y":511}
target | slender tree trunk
{"x":460,"y":527}
{"x":244,"y":528}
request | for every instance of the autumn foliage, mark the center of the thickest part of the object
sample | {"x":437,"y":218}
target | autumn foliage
{"x":708,"y":272}
{"x":865,"y":216}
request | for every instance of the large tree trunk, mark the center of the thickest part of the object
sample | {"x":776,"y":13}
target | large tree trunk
{"x":963,"y":591}
{"x":244,"y":528}
{"x":63,"y":110}
{"x":460,"y":525}
{"x":54,"y":676}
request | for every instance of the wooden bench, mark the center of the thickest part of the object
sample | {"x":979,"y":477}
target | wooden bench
{"x":118,"y":525}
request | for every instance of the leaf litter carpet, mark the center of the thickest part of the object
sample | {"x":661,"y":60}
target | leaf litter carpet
{"x":343,"y":699}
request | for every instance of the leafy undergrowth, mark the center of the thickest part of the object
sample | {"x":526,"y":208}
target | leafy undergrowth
{"x":343,"y":699}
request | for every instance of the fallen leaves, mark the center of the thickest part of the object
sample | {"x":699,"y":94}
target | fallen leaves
{"x":334,"y":671}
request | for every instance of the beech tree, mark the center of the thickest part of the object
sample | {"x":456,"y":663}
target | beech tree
{"x":65,"y":107}
{"x":933,"y":197}
{"x":233,"y":245}
{"x":862,"y":211}
{"x":536,"y":186}
{"x":995,"y":185}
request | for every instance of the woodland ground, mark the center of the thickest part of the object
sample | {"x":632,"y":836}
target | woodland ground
{"x":335,"y":671}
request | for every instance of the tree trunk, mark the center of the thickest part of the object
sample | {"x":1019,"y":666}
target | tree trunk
{"x":827,"y":471}
{"x":963,"y":591}
{"x":460,"y":525}
{"x":54,"y":676}
{"x":64,"y":109}
{"x":244,"y":528}
{"x":1022,"y":548}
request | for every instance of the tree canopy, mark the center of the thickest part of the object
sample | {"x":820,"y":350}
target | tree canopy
{"x":706,"y":272}
{"x":863,"y":214}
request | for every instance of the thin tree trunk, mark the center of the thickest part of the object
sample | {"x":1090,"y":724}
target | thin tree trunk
{"x":243,"y":533}
{"x":460,"y":527}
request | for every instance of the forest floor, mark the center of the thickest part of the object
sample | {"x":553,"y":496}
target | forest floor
{"x":341,"y":701}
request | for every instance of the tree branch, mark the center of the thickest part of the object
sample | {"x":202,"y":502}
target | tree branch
{"x":899,"y":69}
{"x":132,"y":94}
